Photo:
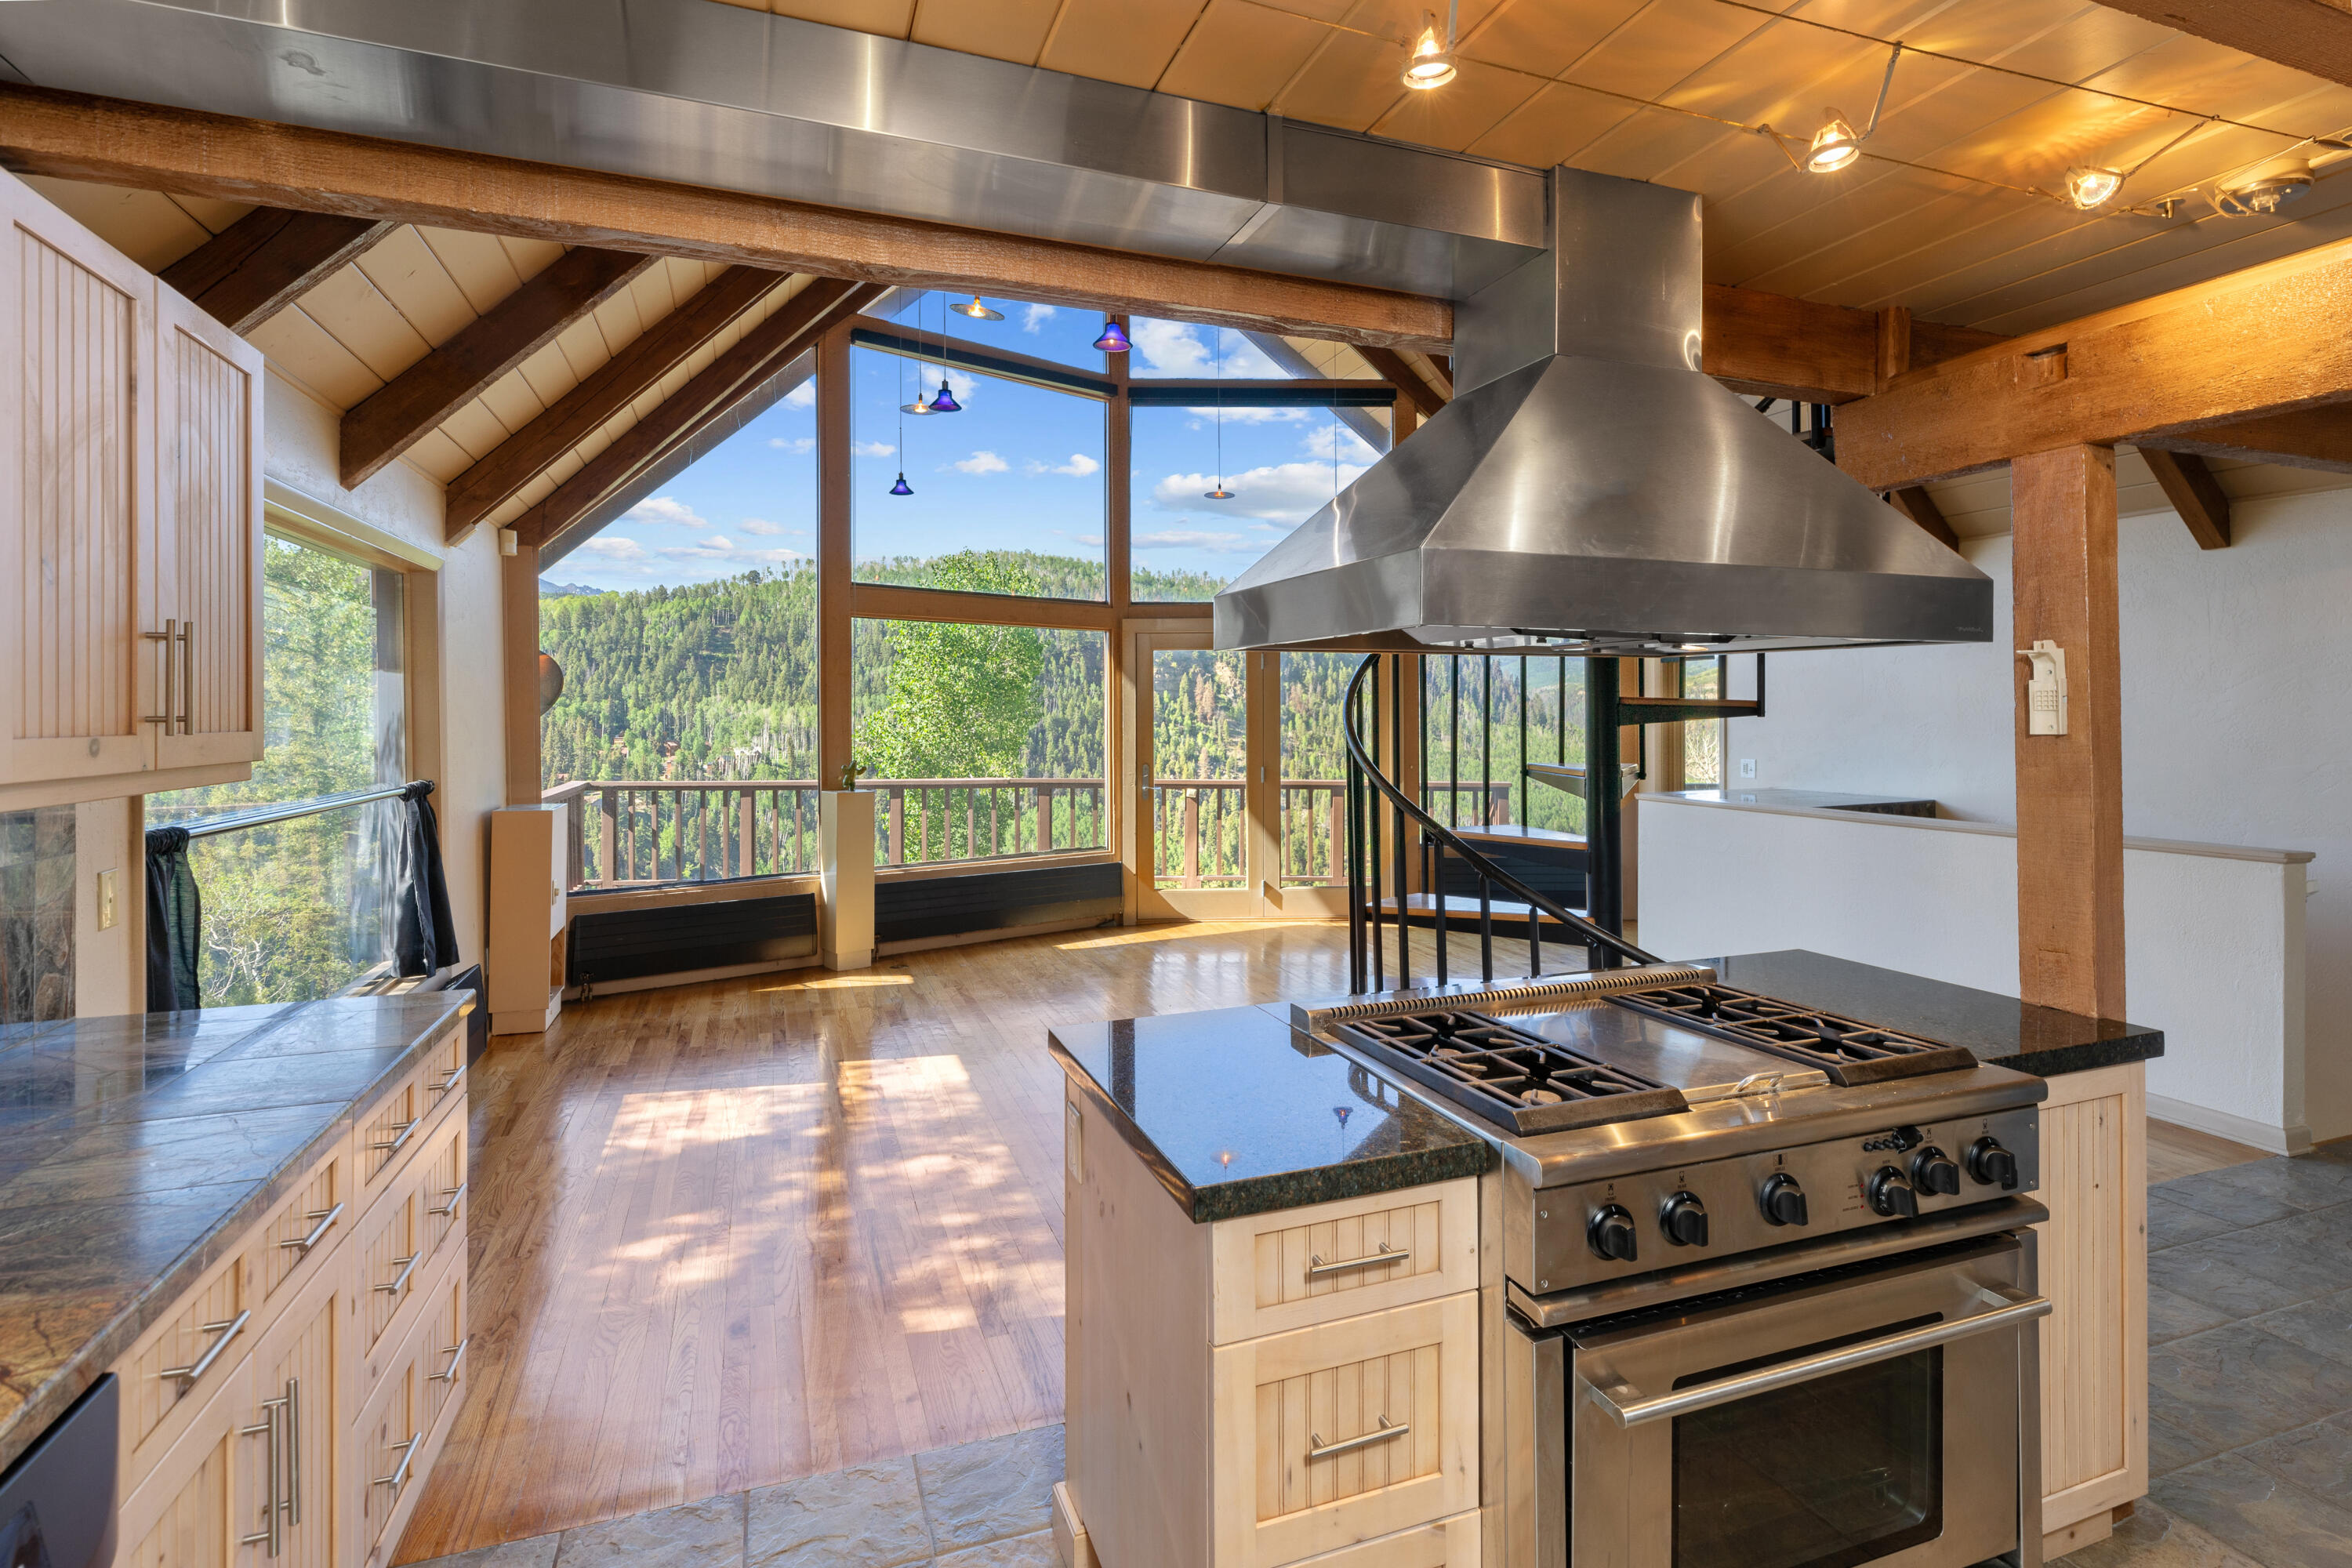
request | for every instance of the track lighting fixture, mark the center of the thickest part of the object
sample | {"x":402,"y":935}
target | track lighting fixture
{"x":1837,"y":144}
{"x":2264,"y":195}
{"x":977,"y":311}
{"x":1431,"y":62}
{"x":2089,"y":187}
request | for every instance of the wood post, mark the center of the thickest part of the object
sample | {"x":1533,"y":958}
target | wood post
{"x":834,"y":559}
{"x":2069,"y":834}
{"x":519,"y":639}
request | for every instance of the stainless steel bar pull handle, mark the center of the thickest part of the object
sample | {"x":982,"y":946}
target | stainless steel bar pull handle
{"x":399,"y":1476}
{"x":1627,"y":1405}
{"x":187,"y":676}
{"x":294,"y":1449}
{"x":228,"y":1331}
{"x":272,"y":1532}
{"x":170,"y":637}
{"x":1382,"y":1434}
{"x":408,"y":1268}
{"x":456,"y":1354}
{"x":450,"y":1079}
{"x":456,"y":1196}
{"x":399,"y":1137}
{"x":326,"y":1218}
{"x":1318,"y":1270}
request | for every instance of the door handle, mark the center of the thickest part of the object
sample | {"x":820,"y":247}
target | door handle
{"x":170,"y":637}
{"x":1317,"y":1268}
{"x":271,"y":1535}
{"x":1382,"y":1434}
{"x":1629,"y":1407}
{"x":187,"y":676}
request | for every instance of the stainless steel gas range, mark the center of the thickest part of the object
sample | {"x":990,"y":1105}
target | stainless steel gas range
{"x":1769,"y":1294}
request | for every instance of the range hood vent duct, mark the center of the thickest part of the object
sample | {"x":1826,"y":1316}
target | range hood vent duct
{"x":1590,"y":490}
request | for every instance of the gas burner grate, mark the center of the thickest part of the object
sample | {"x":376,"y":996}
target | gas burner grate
{"x":1850,"y":1051}
{"x":1518,"y":1080}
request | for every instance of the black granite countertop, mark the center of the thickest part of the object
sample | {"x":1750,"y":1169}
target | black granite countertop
{"x":1999,"y":1030}
{"x":133,"y":1149}
{"x":1237,"y":1114}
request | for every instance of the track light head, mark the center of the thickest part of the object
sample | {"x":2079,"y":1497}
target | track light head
{"x":2089,"y":187}
{"x":1834,"y":146}
{"x":1431,"y":63}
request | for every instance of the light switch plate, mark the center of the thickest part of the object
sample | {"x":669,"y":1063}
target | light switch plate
{"x":108,"y":914}
{"x":1748,"y":767}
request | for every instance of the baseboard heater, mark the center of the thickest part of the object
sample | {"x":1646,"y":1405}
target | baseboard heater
{"x":648,"y":941}
{"x":913,"y":908}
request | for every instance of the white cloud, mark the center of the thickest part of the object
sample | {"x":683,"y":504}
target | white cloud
{"x":666,"y":509}
{"x":1321,"y":442}
{"x":1036,"y":316}
{"x":615,"y":549}
{"x":802,"y":396}
{"x":1280,"y":492}
{"x":761,"y":525}
{"x":875,"y":449}
{"x":795,"y":443}
{"x":1252,"y":415}
{"x":1169,"y":348}
{"x":1078,"y":468}
{"x":723,"y":554}
{"x":982,"y":463}
{"x":1194,"y":539}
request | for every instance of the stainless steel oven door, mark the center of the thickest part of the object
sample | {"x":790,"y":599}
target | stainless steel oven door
{"x":1870,"y":1415}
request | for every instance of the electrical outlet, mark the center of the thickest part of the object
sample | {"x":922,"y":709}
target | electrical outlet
{"x":106,"y":916}
{"x":1748,"y":767}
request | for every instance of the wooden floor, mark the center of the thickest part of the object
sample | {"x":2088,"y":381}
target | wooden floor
{"x":728,"y":1235}
{"x":2176,"y":1151}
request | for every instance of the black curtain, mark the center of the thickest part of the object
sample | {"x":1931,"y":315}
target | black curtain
{"x":424,"y":936}
{"x":175,"y":923}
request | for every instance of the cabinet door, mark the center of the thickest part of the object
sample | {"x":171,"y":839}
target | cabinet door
{"x":299,"y":1399}
{"x":206,"y":546}
{"x":76,"y":498}
{"x":192,"y":1507}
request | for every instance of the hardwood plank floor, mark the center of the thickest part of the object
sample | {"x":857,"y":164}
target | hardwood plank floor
{"x":2174,"y":1151}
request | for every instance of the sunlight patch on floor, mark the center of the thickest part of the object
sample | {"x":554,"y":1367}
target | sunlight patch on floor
{"x":856,"y":980}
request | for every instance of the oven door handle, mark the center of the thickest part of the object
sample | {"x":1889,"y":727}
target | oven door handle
{"x":1631,"y":1408}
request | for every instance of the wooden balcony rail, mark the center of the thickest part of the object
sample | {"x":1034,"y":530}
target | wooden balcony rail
{"x":651,"y":832}
{"x":1462,"y":808}
{"x":1201,"y":828}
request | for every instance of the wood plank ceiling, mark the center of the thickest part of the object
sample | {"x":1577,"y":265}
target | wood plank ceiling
{"x":1939,"y":214}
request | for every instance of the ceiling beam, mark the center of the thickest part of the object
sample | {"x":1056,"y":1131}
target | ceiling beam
{"x":2266,"y":341}
{"x":758,"y":354}
{"x":2194,"y":493}
{"x":1914,"y":502}
{"x":620,"y":381}
{"x":399,"y":414}
{"x":1772,"y":345}
{"x":2312,"y":36}
{"x":111,"y":141}
{"x":2318,"y":437}
{"x":1416,"y":389}
{"x":265,"y":260}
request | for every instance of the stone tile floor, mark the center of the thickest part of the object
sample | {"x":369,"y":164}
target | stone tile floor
{"x":977,"y":1505}
{"x":2250,"y":1372}
{"x":2250,"y":1429}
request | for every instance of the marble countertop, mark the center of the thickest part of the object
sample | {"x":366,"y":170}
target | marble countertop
{"x":133,"y":1150}
{"x":1237,"y":1114}
{"x":1999,"y":1030}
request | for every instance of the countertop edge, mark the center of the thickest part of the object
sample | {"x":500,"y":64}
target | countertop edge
{"x":1277,"y":1190}
{"x":20,"y":1427}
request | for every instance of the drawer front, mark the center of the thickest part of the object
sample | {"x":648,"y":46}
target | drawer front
{"x":1337,"y":1433}
{"x":385,"y":1465}
{"x":443,"y":1355}
{"x":391,"y":1261}
{"x":443,"y":1188}
{"x":1274,"y":1272}
{"x":174,"y":1368}
{"x":1449,"y":1544}
{"x":307,"y":1225}
{"x":395,"y":1130}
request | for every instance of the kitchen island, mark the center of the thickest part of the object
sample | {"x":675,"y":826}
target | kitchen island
{"x":1180,"y":1299}
{"x":243,"y":1228}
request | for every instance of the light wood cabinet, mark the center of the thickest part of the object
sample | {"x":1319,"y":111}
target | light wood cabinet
{"x":281,"y":1450}
{"x":130,"y":524}
{"x":527,"y":910}
{"x":2094,"y":1269}
{"x":1293,"y":1387}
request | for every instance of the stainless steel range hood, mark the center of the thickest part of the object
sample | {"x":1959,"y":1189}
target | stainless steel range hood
{"x":1589,"y":490}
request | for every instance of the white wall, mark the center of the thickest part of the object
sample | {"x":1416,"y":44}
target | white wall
{"x":2237,"y":685}
{"x":2214,"y":945}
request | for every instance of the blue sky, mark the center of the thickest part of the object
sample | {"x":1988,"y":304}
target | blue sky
{"x":1021,"y":468}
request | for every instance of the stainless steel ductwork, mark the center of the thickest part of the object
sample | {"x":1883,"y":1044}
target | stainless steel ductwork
{"x":1589,"y":490}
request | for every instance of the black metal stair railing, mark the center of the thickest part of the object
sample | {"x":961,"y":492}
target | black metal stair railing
{"x":1379,"y":855}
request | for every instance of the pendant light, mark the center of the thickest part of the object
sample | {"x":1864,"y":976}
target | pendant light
{"x":1431,"y":63}
{"x":945,"y":402}
{"x":1114,"y":338}
{"x":977,"y":311}
{"x":902,"y":487}
{"x":1220,"y":493}
{"x":918,"y":405}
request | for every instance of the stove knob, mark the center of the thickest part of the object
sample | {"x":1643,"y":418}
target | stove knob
{"x":1611,"y":1235}
{"x":1783,"y":1201}
{"x":1891,"y":1195}
{"x":1932,"y":1171}
{"x":1684,"y":1219}
{"x":1993,"y":1165}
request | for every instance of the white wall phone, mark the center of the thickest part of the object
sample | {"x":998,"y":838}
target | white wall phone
{"x":2045,"y":688}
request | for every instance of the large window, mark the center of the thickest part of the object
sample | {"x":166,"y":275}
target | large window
{"x":985,"y":742}
{"x":296,"y":909}
{"x":1483,"y":720}
{"x":1017,"y":471}
{"x":1062,"y":333}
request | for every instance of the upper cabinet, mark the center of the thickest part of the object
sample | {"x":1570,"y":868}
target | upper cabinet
{"x":130,"y":523}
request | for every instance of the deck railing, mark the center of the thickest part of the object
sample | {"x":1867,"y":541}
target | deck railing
{"x":648,"y":832}
{"x":1201,"y":832}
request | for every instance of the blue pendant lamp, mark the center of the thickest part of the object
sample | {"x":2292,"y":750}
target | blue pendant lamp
{"x":1114,"y":338}
{"x":945,"y":402}
{"x":902,"y":487}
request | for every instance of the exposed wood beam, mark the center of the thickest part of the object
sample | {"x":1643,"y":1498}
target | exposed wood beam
{"x":2303,"y":438}
{"x":2266,"y":341}
{"x":1771,"y":345}
{"x":2312,"y":36}
{"x":758,"y":354}
{"x":1404,"y":378}
{"x":267,"y":260}
{"x":112,"y":142}
{"x":2070,"y":820}
{"x":1914,"y":502}
{"x":398,"y":414}
{"x":2194,"y":493}
{"x":620,"y":381}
